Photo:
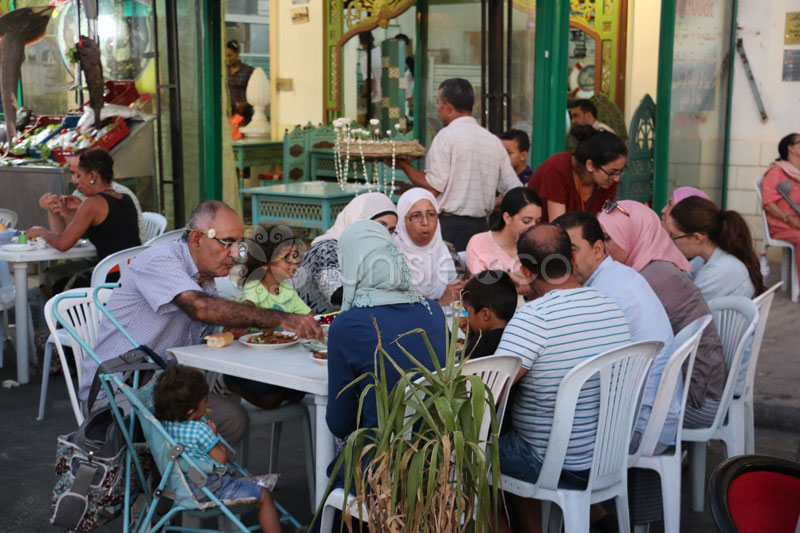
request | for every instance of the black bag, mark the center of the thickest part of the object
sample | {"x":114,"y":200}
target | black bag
{"x":90,"y":462}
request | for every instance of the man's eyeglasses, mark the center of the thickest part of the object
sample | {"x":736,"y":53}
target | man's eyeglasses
{"x":417,"y":217}
{"x":614,"y":173}
{"x":610,"y":205}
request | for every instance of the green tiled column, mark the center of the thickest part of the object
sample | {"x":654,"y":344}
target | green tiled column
{"x":393,"y":75}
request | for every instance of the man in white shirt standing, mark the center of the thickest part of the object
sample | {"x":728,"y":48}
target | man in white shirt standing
{"x":465,"y":168}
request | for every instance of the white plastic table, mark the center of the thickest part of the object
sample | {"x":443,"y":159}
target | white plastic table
{"x":290,"y":367}
{"x":19,"y":262}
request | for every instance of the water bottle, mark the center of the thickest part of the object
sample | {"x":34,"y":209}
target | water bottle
{"x":764,"y":266}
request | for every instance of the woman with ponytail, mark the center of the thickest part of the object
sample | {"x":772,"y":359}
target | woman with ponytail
{"x":722,"y":239}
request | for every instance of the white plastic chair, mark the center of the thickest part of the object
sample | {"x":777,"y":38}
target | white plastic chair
{"x":170,"y":236}
{"x":622,"y":374}
{"x":8,"y":217}
{"x":226,"y":288}
{"x":122,"y":259}
{"x":735,"y":318}
{"x":742,"y":407}
{"x":7,"y":299}
{"x":84,"y":317}
{"x":668,"y":464}
{"x":788,"y":262}
{"x":497,"y":372}
{"x":155,"y":224}
{"x":99,"y":274}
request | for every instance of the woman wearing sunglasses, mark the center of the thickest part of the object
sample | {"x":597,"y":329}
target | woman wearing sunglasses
{"x":109,"y":219}
{"x":637,"y":239}
{"x":583,"y":180}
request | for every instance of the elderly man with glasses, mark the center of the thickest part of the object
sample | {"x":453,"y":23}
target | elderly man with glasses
{"x":168,"y":298}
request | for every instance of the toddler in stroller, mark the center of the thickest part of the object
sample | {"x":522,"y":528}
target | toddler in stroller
{"x":180,"y":403}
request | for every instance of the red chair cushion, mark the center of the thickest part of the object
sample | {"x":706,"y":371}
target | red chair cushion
{"x":765,"y":501}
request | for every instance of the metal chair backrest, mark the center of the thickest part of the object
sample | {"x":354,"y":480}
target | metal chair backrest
{"x":622,"y":372}
{"x":170,"y":236}
{"x":122,"y":259}
{"x":763,"y":302}
{"x":687,"y":341}
{"x":83,"y":316}
{"x":735,"y":318}
{"x":8,"y":217}
{"x":155,"y":224}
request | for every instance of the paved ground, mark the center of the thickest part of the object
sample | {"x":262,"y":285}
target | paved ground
{"x":27,"y":447}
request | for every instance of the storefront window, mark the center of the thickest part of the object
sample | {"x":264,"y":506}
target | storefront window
{"x":700,"y":93}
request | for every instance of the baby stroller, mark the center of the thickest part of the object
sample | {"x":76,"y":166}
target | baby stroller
{"x":172,"y":494}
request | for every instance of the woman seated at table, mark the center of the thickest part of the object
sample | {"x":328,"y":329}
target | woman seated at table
{"x":318,"y":280}
{"x":377,"y":291}
{"x":582,"y":180}
{"x":729,"y":266}
{"x":520,"y":209}
{"x":436,"y":270}
{"x":107,"y":218}
{"x":782,"y":219}
{"x":637,"y":239}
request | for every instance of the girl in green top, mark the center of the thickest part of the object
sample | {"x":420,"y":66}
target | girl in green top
{"x":272,"y":257}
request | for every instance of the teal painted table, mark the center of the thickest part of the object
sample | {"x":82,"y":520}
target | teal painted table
{"x":308,"y":204}
{"x":255,"y":152}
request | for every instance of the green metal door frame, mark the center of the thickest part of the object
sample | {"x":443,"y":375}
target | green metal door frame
{"x":666,"y":44}
{"x":210,"y":42}
{"x":550,"y":80}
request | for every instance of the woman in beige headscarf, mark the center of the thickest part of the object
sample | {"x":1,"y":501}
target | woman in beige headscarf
{"x":318,"y":280}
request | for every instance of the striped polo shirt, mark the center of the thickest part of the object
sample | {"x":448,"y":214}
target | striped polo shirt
{"x":553,"y":334}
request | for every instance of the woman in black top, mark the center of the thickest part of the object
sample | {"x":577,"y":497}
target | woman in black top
{"x":238,"y":76}
{"x":107,"y":218}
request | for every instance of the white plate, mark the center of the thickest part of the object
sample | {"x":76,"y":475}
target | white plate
{"x":243,"y":339}
{"x":19,"y":247}
{"x":319,"y":361}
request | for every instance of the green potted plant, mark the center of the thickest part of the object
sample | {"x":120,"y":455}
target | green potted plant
{"x":425,"y":468}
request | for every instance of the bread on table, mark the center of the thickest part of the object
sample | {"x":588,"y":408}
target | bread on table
{"x":219,"y":340}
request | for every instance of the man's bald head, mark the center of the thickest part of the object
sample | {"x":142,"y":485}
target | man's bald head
{"x":546,"y":251}
{"x":203,"y":216}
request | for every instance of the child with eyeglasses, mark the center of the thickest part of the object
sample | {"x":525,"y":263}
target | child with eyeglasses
{"x":273,"y":253}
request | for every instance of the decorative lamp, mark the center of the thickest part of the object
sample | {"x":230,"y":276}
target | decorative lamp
{"x":258,"y":96}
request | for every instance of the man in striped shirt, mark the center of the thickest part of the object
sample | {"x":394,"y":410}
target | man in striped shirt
{"x":566,"y":325}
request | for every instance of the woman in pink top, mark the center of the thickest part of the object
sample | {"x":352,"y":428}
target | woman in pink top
{"x":497,"y":249}
{"x":783,"y":220}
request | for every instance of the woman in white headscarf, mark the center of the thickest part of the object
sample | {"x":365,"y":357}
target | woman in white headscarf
{"x":318,"y":280}
{"x":436,"y":269}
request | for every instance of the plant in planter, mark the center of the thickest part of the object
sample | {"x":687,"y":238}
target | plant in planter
{"x":426,"y":467}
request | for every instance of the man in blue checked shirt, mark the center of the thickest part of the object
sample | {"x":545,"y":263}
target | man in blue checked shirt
{"x":168,"y":298}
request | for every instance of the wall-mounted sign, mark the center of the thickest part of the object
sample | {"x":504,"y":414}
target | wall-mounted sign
{"x":299,"y":15}
{"x":791,"y":65}
{"x":792,"y":33}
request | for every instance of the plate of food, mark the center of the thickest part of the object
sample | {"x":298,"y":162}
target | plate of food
{"x":320,"y":356}
{"x":269,"y":341}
